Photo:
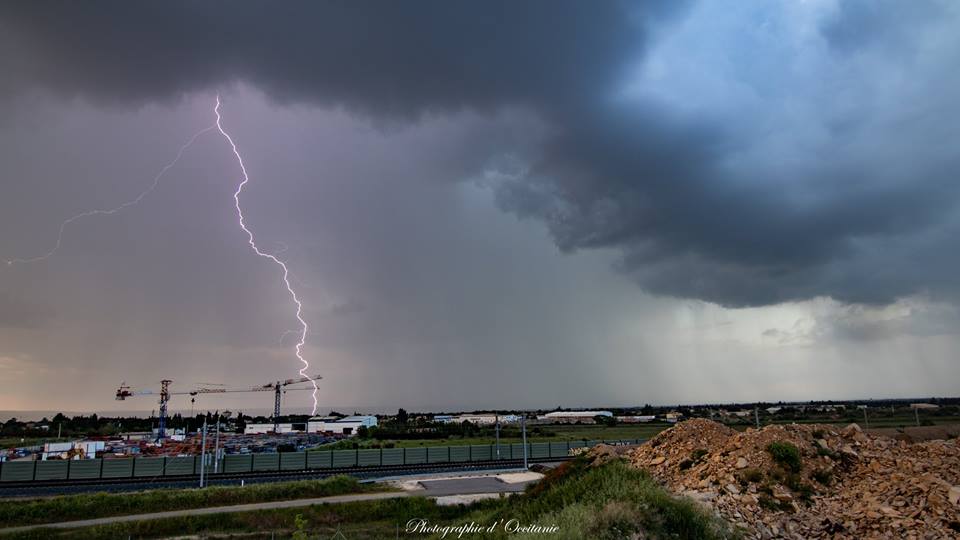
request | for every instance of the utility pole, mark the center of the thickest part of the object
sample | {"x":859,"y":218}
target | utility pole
{"x":498,"y":436}
{"x":866,"y":420}
{"x":523,"y":429}
{"x":756,"y":416}
{"x":203,"y":449}
{"x":916,"y":413}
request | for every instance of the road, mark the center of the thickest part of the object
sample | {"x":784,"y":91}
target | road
{"x":443,"y":487}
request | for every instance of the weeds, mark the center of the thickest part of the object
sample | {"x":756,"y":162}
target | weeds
{"x":786,"y":455}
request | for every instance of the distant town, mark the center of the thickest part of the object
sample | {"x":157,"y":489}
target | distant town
{"x":94,"y":436}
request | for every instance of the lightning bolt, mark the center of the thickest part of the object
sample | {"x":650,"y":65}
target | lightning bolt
{"x":273,"y":258}
{"x":109,"y":211}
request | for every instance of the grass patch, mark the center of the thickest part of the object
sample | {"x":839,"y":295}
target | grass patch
{"x":786,"y":454}
{"x":610,"y":501}
{"x":376,"y":519}
{"x":94,"y":505}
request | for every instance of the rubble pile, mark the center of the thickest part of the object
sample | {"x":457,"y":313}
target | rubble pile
{"x":837,"y":483}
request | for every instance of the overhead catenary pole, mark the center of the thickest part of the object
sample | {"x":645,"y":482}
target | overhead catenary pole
{"x":866,"y":421}
{"x":216,"y":447}
{"x":203,"y":449}
{"x":756,"y":416}
{"x":523,"y":430}
{"x":498,"y":436}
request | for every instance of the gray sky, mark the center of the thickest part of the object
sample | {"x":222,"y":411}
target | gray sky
{"x":483,"y":204}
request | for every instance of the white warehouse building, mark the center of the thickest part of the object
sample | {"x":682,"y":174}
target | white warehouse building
{"x":343,"y":426}
{"x":260,"y":429}
{"x":570,"y":417}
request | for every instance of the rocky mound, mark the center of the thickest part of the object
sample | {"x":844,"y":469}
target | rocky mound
{"x":812,"y":481}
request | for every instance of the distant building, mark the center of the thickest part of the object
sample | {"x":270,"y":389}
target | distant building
{"x":924,"y":406}
{"x":774,"y":410}
{"x":635,"y":419}
{"x":479,"y":419}
{"x":342,"y":426}
{"x":260,"y":429}
{"x":572,"y":417}
{"x":72,"y":450}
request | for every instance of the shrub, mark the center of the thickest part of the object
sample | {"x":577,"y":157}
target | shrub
{"x":798,"y":486}
{"x":827,"y":452}
{"x":786,"y":455}
{"x":770,"y":503}
{"x":824,"y":476}
{"x":750,"y":476}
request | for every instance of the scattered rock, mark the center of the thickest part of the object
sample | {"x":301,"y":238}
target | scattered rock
{"x":882,"y":488}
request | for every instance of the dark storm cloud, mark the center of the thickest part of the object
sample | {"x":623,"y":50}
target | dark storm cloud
{"x":833,"y":213}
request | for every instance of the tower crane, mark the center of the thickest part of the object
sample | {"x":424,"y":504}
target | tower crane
{"x":277,"y":387}
{"x":125,"y":391}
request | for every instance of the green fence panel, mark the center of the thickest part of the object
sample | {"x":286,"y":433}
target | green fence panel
{"x":17,"y":471}
{"x":559,"y":449}
{"x":179,"y":466}
{"x":344,"y":458}
{"x":237,"y":463}
{"x":459,"y":453}
{"x":438,"y":454}
{"x":51,"y":470}
{"x":117,"y":468}
{"x":320,"y":459}
{"x":592,"y":443}
{"x":516,"y":451}
{"x":149,"y":466}
{"x":369,"y":457}
{"x":266,"y":462}
{"x":481,"y":452}
{"x":391,"y":456}
{"x":413,"y":456}
{"x":577,"y":444}
{"x":293,"y":461}
{"x":539,"y":450}
{"x":208,"y":463}
{"x":84,"y":469}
